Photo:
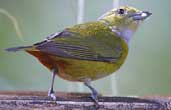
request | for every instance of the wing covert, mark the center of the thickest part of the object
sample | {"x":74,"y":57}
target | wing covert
{"x":73,"y":45}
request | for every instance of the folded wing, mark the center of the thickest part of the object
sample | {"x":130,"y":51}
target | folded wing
{"x":72,"y":45}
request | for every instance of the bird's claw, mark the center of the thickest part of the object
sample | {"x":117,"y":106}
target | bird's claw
{"x":94,"y":97}
{"x":51,"y":94}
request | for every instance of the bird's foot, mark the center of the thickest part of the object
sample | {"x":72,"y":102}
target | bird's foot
{"x":51,"y":94}
{"x":94,"y":97}
{"x":94,"y":93}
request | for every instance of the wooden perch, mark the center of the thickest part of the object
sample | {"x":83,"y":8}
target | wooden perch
{"x":22,"y":100}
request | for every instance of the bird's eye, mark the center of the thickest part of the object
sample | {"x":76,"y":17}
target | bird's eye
{"x":121,"y":11}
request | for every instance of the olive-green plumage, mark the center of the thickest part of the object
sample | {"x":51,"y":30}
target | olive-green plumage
{"x":98,"y":52}
{"x":85,"y":51}
{"x":90,"y":50}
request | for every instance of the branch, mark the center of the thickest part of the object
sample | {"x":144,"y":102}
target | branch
{"x":24,"y":100}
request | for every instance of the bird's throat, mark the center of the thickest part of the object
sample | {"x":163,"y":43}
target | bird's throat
{"x":126,"y":34}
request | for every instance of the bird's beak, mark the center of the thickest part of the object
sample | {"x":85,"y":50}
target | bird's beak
{"x":140,"y":15}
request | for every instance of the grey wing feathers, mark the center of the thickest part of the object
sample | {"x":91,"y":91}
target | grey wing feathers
{"x":65,"y":50}
{"x":76,"y":50}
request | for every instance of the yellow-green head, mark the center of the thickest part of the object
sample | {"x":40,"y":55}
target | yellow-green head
{"x":124,"y":20}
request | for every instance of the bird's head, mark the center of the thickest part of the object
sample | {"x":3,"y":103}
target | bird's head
{"x":124,"y":20}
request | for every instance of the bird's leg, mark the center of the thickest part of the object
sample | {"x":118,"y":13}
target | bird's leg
{"x":94,"y":93}
{"x":51,"y":92}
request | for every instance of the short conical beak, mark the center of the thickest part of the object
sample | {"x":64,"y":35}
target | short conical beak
{"x":141,"y":15}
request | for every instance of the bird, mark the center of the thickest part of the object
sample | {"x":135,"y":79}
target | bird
{"x":88,"y":51}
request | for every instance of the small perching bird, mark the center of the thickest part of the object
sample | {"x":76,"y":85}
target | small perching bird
{"x":89,"y":51}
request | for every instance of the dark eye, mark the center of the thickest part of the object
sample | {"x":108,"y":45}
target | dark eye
{"x":121,"y":11}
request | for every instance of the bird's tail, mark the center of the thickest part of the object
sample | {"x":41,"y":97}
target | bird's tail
{"x":14,"y":49}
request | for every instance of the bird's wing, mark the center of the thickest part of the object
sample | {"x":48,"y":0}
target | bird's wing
{"x":72,"y":45}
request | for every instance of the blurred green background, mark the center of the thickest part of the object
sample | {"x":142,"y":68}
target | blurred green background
{"x":145,"y":72}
